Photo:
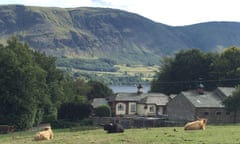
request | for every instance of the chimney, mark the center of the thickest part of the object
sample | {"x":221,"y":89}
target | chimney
{"x":200,"y":89}
{"x":139,"y":87}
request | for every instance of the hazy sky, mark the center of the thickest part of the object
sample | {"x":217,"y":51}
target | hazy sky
{"x":170,"y":12}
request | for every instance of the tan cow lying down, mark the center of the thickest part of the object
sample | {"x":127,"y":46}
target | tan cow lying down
{"x":45,"y":134}
{"x":196,"y":125}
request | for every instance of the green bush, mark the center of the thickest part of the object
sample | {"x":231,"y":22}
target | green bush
{"x":74,"y":111}
{"x":103,"y":111}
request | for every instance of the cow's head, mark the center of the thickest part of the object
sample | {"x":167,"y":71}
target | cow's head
{"x":108,"y":126}
{"x":202,"y":120}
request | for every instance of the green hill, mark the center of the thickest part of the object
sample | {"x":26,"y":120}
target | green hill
{"x":123,"y":37}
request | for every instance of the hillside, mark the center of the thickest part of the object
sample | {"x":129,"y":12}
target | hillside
{"x":121,"y":36}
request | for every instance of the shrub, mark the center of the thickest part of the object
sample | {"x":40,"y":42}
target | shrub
{"x":103,"y":111}
{"x":74,"y":111}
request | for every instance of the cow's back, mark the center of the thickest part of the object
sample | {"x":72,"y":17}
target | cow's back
{"x":196,"y":125}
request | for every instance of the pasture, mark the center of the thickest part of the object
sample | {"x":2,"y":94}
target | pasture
{"x":228,"y":134}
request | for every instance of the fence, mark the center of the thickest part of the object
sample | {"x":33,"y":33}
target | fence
{"x":136,"y":122}
{"x":4,"y":129}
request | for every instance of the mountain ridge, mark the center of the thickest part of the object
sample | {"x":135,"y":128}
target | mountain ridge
{"x":121,"y":36}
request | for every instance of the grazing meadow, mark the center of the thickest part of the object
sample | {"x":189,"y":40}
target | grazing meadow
{"x":222,"y":134}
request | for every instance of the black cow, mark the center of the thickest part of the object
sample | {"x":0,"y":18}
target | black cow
{"x":113,"y":128}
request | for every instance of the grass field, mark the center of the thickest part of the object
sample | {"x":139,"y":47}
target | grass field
{"x":147,"y":71}
{"x":228,"y":134}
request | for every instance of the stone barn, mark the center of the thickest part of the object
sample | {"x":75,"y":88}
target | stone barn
{"x":192,"y":104}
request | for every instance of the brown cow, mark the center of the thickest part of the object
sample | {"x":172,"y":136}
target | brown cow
{"x":196,"y":125}
{"x":45,"y":134}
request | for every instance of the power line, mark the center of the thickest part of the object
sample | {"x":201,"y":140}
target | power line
{"x":186,"y":82}
{"x":203,"y":81}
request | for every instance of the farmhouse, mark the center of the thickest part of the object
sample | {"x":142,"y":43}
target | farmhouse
{"x":188,"y":105}
{"x":139,"y":103}
{"x":183,"y":107}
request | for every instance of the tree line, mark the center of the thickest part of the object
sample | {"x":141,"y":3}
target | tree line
{"x":101,"y":64}
{"x":33,"y":90}
{"x":187,"y":68}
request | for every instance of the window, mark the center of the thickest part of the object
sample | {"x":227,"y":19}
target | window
{"x":151,"y":109}
{"x":218,"y":113}
{"x":227,"y":113}
{"x":132,"y":107}
{"x":145,"y":107}
{"x":206,"y":113}
{"x":120,"y":107}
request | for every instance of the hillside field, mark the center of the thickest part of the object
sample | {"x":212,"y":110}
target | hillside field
{"x":124,"y":75}
{"x":145,"y":72}
{"x":221,"y":134}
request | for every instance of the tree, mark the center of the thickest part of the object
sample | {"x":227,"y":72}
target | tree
{"x":161,"y":84}
{"x":98,"y":90}
{"x":31,"y":87}
{"x":232,"y":103}
{"x":21,"y":82}
{"x":226,"y":67}
{"x":54,"y":84}
{"x":181,"y":72}
{"x":74,"y":111}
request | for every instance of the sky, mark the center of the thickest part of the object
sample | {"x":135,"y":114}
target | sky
{"x":170,"y":12}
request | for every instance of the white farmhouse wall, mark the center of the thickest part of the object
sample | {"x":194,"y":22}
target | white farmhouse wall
{"x":160,"y":110}
{"x":146,"y":110}
{"x":141,"y":110}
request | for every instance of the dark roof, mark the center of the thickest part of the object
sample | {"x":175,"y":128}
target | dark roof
{"x":124,"y":96}
{"x":146,"y":98}
{"x":158,"y":99}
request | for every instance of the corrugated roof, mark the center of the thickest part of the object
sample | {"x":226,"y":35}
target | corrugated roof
{"x":208,"y":99}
